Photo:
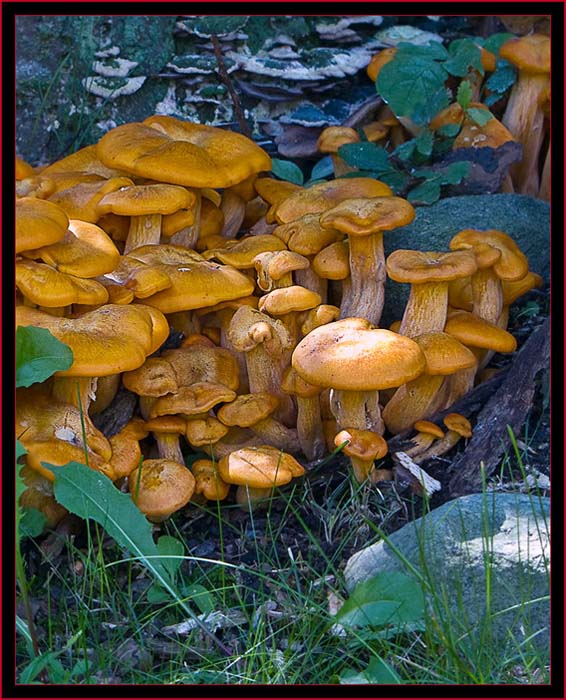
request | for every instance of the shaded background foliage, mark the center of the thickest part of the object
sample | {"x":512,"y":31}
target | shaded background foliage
{"x":79,"y":76}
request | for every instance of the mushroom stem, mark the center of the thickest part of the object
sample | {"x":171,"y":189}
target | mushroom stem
{"x":274,"y":433}
{"x":265,"y":375}
{"x":413,"y":401}
{"x":309,"y":427}
{"x":357,"y":409}
{"x":426,"y":309}
{"x":364,"y":296}
{"x":249,"y":498}
{"x":309,"y":279}
{"x":188,"y":236}
{"x":487,"y":295}
{"x":144,"y":230}
{"x":440,"y":447}
{"x":168,"y":446}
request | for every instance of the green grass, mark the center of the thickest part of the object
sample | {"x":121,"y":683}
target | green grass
{"x":97,"y":624}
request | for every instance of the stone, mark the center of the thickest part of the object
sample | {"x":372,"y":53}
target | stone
{"x":524,"y":218}
{"x":450,"y":545}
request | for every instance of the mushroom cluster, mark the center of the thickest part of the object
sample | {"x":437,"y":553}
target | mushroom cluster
{"x":166,"y":229}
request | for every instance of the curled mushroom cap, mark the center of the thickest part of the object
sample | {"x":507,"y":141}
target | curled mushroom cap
{"x":208,"y":481}
{"x":351,"y":354}
{"x":475,"y":332}
{"x":363,"y":447}
{"x":162,"y":488}
{"x":182,"y":153}
{"x":259,"y":467}
{"x":38,"y":223}
{"x":45,"y":286}
{"x":512,"y":264}
{"x":325,"y":195}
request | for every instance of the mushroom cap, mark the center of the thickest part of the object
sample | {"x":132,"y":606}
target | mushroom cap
{"x":513,"y":263}
{"x":250,"y":327}
{"x":378,"y":61}
{"x":352,"y":355}
{"x":273,"y":265}
{"x":418,"y":267}
{"x":156,"y":377}
{"x":168,"y":424}
{"x":141,"y":200}
{"x":529,"y":53}
{"x":247,"y":409}
{"x":195,"y":282}
{"x":459,"y":424}
{"x":182,"y":153}
{"x":326,"y":195}
{"x":288,"y":299}
{"x":513,"y":290}
{"x":492,"y":134}
{"x":478,"y":333}
{"x":38,"y":223}
{"x":320,"y":315}
{"x":204,"y":431}
{"x":333,"y":261}
{"x":429,"y":428}
{"x":208,"y":481}
{"x":200,"y":362}
{"x":444,"y":354}
{"x":259,"y":467}
{"x":82,"y":200}
{"x":486,"y":255}
{"x":200,"y":397}
{"x":143,"y":279}
{"x":85,"y":161}
{"x":110,"y":339}
{"x":84,"y":251}
{"x":305,"y":235}
{"x":23,"y":169}
{"x":364,"y":216}
{"x":45,"y":286}
{"x":163,"y":487}
{"x":363,"y":444}
{"x":241,"y":254}
{"x":333,"y":137}
{"x":293,"y":383}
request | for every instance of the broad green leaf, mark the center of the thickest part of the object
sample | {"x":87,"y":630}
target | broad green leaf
{"x":39,"y":355}
{"x":91,"y":495}
{"x":423,"y":142}
{"x":405,"y":150}
{"x":464,"y":94}
{"x":396,"y":179}
{"x":455,"y":172}
{"x":494,"y":42}
{"x":173,"y":551}
{"x":287,"y":170}
{"x":413,"y":87}
{"x":365,"y":156}
{"x":200,"y":596}
{"x":464,"y":55}
{"x":434,"y":50}
{"x":32,"y":522}
{"x":322,"y":169}
{"x":388,"y":598}
{"x":427,"y":192}
{"x":479,"y":116}
{"x":502,"y":78}
{"x":377,"y":671}
{"x":448,"y":130}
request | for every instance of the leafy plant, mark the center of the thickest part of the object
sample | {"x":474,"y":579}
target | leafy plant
{"x":287,"y":170}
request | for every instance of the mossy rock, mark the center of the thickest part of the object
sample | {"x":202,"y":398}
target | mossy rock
{"x":525,"y":219}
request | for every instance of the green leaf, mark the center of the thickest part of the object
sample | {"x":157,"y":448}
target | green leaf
{"x":396,"y":179}
{"x":405,"y":150}
{"x":448,"y":130}
{"x":424,"y":141}
{"x":502,"y":78}
{"x":427,"y":192}
{"x":434,"y":50}
{"x":365,"y":156}
{"x":413,"y":87}
{"x":39,"y":355}
{"x":464,"y":94}
{"x":20,"y":450}
{"x":494,"y":42}
{"x":200,"y":596}
{"x":388,"y":598}
{"x":32,"y":522}
{"x":91,"y":495}
{"x":464,"y":55}
{"x":324,"y":168}
{"x":287,"y":170}
{"x":479,"y":116}
{"x":173,"y":551}
{"x":455,"y":172}
{"x":377,"y":671}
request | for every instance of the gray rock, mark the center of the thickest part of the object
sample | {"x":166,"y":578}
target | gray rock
{"x":526,"y":219}
{"x":451,"y":544}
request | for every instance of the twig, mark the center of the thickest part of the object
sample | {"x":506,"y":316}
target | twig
{"x":223,"y":73}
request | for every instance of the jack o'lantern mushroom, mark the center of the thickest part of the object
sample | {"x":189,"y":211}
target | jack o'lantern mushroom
{"x":356,"y":360}
{"x":364,"y":220}
{"x":428,"y":274}
{"x":458,"y":426}
{"x":160,"y":487}
{"x":363,"y":447}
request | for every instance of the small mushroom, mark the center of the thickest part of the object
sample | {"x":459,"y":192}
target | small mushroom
{"x":458,"y":426}
{"x":363,"y":447}
{"x":160,"y":487}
